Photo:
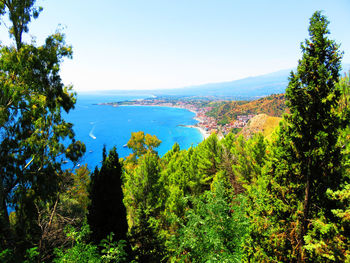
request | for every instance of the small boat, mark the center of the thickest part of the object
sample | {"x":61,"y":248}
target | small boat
{"x":125,"y":145}
{"x":65,"y":161}
{"x":91,"y":151}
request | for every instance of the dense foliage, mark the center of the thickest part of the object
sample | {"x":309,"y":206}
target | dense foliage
{"x":305,"y":165}
{"x":32,"y":130}
{"x":106,"y":212}
{"x":281,"y":199}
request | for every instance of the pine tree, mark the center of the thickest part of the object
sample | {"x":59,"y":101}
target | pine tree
{"x":209,"y":161}
{"x":107,"y":212}
{"x":148,"y":246}
{"x":306,"y":159}
{"x":212,"y":229}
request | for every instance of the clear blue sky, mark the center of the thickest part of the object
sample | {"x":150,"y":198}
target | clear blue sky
{"x":158,"y":44}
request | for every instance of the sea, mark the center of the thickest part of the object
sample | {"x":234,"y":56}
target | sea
{"x":99,"y":125}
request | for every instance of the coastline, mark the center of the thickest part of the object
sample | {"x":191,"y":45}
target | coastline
{"x":202,"y":131}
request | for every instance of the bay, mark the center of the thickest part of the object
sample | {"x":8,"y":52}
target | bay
{"x":99,"y":125}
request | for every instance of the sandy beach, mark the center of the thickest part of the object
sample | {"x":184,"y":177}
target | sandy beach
{"x":204,"y":133}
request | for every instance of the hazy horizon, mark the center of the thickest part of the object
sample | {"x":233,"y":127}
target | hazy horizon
{"x":345,"y":69}
{"x":155,"y":45}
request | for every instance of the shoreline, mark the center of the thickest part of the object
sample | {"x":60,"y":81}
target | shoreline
{"x":204,"y":133}
{"x":201,"y":130}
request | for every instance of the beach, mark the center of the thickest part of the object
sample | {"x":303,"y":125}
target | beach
{"x":205,"y":134}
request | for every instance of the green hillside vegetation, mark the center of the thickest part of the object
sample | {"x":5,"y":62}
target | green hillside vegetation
{"x":235,"y":199}
{"x":225,"y":112}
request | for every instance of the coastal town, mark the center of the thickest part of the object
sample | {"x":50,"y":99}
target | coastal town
{"x":206,"y":124}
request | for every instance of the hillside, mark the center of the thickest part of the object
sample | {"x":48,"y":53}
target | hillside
{"x":226,"y":112}
{"x":261,"y":123}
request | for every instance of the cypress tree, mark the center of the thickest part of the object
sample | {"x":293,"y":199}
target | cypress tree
{"x":306,"y":160}
{"x":107,"y":212}
{"x":314,"y":125}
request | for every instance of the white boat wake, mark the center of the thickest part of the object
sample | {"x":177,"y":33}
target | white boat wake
{"x":91,"y":133}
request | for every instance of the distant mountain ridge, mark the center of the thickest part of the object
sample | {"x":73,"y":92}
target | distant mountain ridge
{"x":251,"y":87}
{"x":257,"y":86}
{"x":246,"y":88}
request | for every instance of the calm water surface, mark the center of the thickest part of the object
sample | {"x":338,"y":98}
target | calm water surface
{"x":98,"y":125}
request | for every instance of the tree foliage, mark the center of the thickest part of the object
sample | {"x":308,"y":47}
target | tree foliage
{"x":142,"y":198}
{"x":32,"y":129}
{"x":228,"y":199}
{"x":305,"y":162}
{"x":106,"y":212}
{"x":67,"y":210}
{"x":162,"y":194}
{"x":212,"y":231}
{"x":20,"y":14}
{"x":140,"y":143}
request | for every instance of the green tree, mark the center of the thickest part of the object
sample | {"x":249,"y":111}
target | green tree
{"x":143,"y":191}
{"x":212,"y":231}
{"x":249,"y":157}
{"x":330,"y":239}
{"x":344,"y":103}
{"x":148,"y":246}
{"x":141,"y":187}
{"x":209,"y":161}
{"x":305,"y":162}
{"x":32,"y":130}
{"x":140,"y":143}
{"x":142,"y":199}
{"x":141,"y":175}
{"x":20,"y":14}
{"x":113,"y":251}
{"x":107,"y":213}
{"x":80,"y":251}
{"x":68,"y":209}
{"x":179,"y":178}
{"x":175,"y":179}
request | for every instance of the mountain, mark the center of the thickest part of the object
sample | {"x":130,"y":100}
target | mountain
{"x":247,"y":88}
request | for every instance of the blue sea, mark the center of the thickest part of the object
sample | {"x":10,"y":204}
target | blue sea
{"x":98,"y":125}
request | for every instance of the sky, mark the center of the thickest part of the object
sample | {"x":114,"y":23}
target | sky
{"x":164,"y":44}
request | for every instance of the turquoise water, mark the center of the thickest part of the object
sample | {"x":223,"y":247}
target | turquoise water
{"x":98,"y":125}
